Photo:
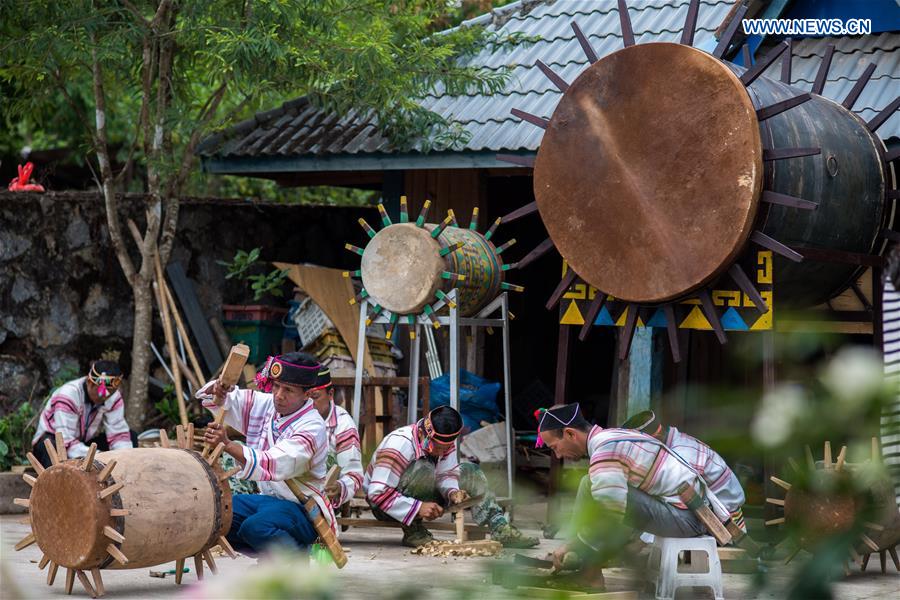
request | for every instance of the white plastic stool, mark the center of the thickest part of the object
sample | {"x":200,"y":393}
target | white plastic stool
{"x":706,"y":571}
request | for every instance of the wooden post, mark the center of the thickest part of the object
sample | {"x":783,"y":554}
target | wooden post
{"x":559,"y":397}
{"x":179,"y":571}
{"x":198,"y":566}
{"x":170,"y":344}
{"x":770,"y":466}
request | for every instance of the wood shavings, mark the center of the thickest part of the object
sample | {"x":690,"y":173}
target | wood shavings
{"x":463,"y":549}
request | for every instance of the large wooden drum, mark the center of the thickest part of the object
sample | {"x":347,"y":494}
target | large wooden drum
{"x":127,"y":509}
{"x":174,"y":502}
{"x":661,"y":164}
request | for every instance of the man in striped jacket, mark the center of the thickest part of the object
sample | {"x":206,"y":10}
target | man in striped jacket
{"x":719,"y":477}
{"x":415,"y":474}
{"x":632,"y":484}
{"x":343,"y":441}
{"x":286,"y":438}
{"x":80,"y":408}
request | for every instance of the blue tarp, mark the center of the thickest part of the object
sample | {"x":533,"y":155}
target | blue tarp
{"x":477,"y":398}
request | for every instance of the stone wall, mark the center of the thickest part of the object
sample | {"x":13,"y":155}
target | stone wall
{"x":64,"y":299}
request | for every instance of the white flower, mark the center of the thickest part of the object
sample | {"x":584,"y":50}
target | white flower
{"x":854,"y":375}
{"x":780,"y":410}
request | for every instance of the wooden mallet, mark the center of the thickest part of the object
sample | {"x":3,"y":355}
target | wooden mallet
{"x":231,"y":374}
{"x":694,"y":502}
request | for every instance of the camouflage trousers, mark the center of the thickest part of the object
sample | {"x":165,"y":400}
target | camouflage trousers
{"x":419,"y":482}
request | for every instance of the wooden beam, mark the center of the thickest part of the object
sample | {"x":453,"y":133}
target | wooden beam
{"x":433,"y":525}
{"x":712,"y":315}
{"x":586,"y":47}
{"x":690,"y":23}
{"x":561,"y":288}
{"x":822,"y":74}
{"x":672,"y":332}
{"x":729,"y":34}
{"x":851,"y":98}
{"x":553,"y":76}
{"x":625,"y":22}
{"x":535,"y":254}
{"x":767,"y":112}
{"x":627,"y":333}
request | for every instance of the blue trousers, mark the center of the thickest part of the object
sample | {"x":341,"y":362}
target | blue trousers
{"x":260,"y":522}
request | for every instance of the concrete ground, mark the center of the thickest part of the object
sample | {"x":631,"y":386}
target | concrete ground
{"x":378,"y":568}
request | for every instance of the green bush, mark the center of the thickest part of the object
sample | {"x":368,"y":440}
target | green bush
{"x":260,"y":283}
{"x":168,"y":405}
{"x":16,"y":431}
{"x":17,"y":428}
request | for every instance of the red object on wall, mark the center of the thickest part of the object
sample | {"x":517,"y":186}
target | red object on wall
{"x":20,"y":183}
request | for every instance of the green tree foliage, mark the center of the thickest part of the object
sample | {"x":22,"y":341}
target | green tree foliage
{"x":368,"y":56}
{"x":146,"y":79}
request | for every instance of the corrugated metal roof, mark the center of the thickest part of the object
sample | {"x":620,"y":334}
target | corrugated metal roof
{"x":297,"y":129}
{"x":851,"y":57}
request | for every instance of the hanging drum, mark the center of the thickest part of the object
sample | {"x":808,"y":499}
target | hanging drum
{"x":127,"y":509}
{"x":662,"y":165}
{"x":408,"y":268}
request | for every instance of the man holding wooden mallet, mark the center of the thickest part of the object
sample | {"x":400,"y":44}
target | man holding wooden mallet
{"x":415,"y":473}
{"x":286,"y":447}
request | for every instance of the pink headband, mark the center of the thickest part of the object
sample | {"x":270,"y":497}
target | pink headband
{"x":277,"y":369}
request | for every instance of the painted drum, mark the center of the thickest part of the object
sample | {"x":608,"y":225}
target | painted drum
{"x":402,"y":268}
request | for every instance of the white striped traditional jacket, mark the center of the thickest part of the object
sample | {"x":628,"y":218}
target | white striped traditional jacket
{"x":397,"y":451}
{"x":278,"y":447}
{"x":66,"y":412}
{"x":720,"y":479}
{"x":617,"y":461}
{"x":344,"y":449}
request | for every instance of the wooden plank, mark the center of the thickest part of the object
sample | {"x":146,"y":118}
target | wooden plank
{"x":196,"y":320}
{"x":182,"y":330}
{"x":433,"y":525}
{"x":729,"y":553}
{"x":839,"y":256}
{"x":330,"y":290}
{"x":169,"y":331}
{"x":546,"y":592}
{"x":541,"y":592}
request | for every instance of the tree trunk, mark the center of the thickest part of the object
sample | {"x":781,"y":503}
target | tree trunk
{"x":137,"y":406}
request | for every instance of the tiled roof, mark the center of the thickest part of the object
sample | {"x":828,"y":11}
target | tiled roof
{"x":851,"y":57}
{"x":297,"y":129}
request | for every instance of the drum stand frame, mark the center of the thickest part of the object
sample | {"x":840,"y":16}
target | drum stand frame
{"x":500,"y":305}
